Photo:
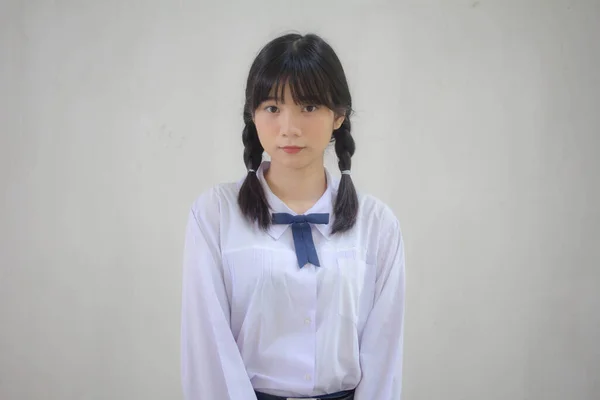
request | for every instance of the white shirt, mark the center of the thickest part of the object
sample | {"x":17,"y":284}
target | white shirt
{"x":253,"y":320}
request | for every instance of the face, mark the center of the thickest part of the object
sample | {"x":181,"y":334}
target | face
{"x":295,"y":135}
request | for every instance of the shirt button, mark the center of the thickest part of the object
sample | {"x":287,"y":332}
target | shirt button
{"x":307,"y":377}
{"x":307,"y":321}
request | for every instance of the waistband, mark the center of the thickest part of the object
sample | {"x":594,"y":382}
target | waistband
{"x":344,"y":395}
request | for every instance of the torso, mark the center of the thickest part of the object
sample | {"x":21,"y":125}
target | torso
{"x":291,"y":321}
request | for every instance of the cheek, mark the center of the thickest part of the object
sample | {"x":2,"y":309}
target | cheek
{"x":321,"y":131}
{"x":266,"y":129}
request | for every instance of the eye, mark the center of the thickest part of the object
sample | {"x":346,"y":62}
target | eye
{"x":271,"y":109}
{"x":311,"y":108}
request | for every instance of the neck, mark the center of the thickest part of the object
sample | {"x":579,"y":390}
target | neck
{"x":299,"y":189}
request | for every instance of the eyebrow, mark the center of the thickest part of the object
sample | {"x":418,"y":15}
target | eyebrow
{"x":302,"y":101}
{"x":273,"y":98}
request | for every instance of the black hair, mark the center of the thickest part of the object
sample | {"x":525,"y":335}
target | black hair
{"x":315,"y":76}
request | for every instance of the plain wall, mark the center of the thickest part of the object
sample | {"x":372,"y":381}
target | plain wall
{"x":477,"y":121}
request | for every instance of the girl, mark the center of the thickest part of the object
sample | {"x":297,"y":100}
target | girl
{"x":293,"y":285}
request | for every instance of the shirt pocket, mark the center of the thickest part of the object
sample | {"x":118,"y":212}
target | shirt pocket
{"x":354,"y":285}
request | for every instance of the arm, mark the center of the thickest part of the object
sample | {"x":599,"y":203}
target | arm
{"x":382,"y":340}
{"x":211,"y":364}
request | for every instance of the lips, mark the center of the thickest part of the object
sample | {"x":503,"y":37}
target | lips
{"x":291,"y":149}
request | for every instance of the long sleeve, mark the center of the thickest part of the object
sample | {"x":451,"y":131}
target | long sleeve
{"x":381,"y":347}
{"x":211,"y":364}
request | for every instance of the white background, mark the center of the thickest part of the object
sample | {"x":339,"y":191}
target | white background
{"x":477,"y":121}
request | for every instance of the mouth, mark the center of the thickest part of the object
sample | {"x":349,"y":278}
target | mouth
{"x":292,"y":149}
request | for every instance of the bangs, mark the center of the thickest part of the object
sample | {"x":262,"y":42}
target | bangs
{"x":308,"y":83}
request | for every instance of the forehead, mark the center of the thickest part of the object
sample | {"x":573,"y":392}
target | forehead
{"x":281,"y":93}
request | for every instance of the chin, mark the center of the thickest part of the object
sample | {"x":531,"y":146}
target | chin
{"x":293,"y":162}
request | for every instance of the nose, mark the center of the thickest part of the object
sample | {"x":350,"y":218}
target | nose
{"x":289,"y":124}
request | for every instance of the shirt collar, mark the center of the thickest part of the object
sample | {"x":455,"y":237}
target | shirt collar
{"x":323,"y":205}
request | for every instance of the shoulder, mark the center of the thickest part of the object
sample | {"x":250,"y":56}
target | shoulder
{"x":215,"y":200}
{"x":377,"y":214}
{"x":381,"y":229}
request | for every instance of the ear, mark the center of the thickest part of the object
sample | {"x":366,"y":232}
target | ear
{"x":338,"y":121}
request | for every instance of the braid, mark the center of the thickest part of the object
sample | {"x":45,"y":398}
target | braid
{"x":253,"y":150}
{"x":346,"y":203}
{"x":251,"y":198}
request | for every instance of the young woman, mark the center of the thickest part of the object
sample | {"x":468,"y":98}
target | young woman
{"x":293,"y":285}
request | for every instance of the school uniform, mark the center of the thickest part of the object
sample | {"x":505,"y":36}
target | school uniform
{"x":268,"y":312}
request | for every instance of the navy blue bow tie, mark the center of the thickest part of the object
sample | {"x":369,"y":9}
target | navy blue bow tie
{"x":303,"y":241}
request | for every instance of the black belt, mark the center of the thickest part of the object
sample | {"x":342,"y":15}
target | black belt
{"x":345,"y":395}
